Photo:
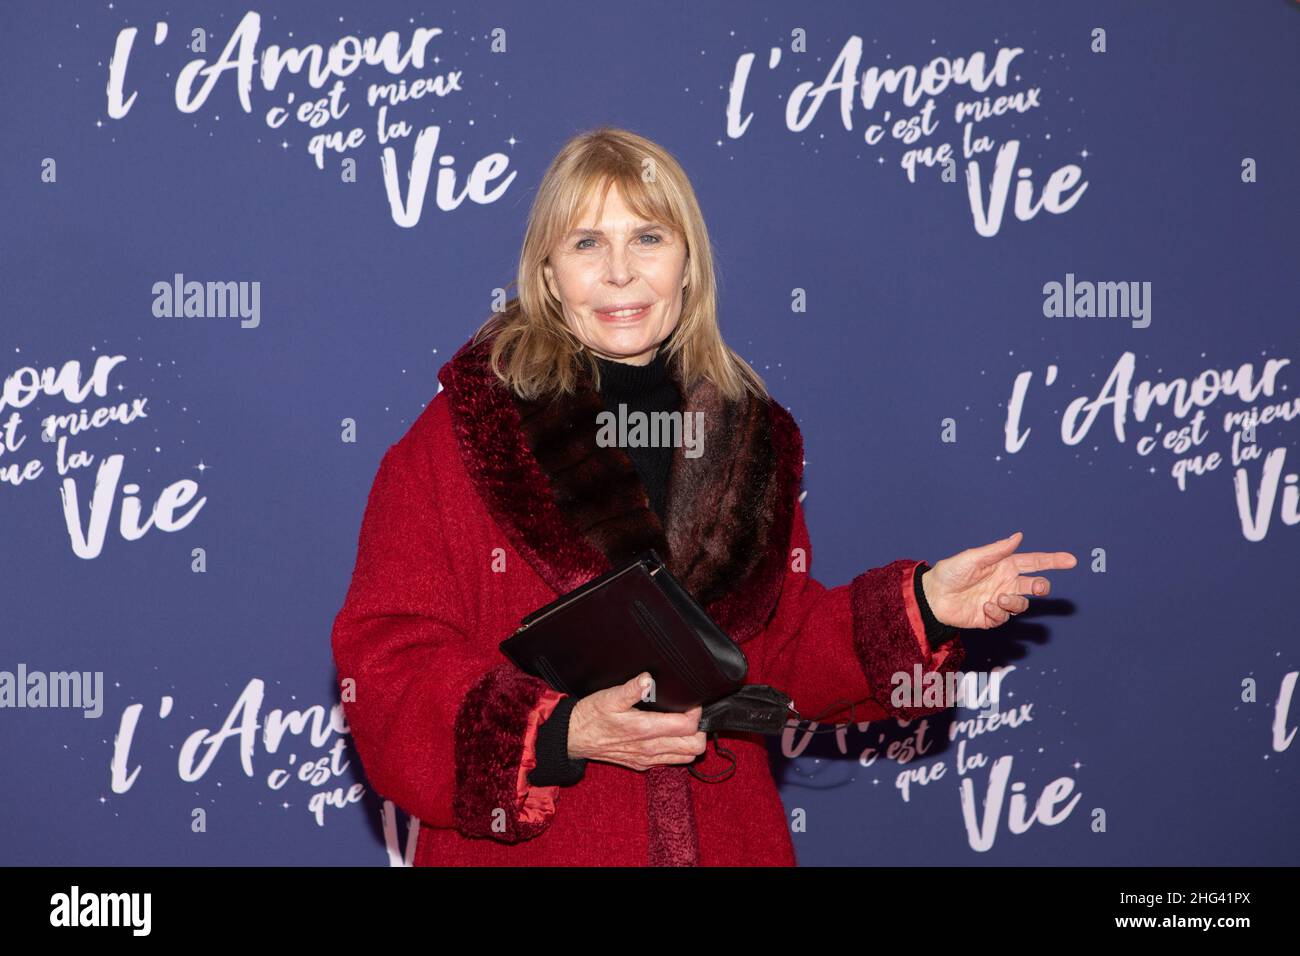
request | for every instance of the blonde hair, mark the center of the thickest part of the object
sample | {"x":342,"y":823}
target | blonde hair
{"x":533,"y":350}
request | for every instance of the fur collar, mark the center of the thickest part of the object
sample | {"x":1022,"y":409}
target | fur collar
{"x":574,"y":509}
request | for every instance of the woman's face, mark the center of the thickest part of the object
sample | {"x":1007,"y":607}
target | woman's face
{"x":614,"y":261}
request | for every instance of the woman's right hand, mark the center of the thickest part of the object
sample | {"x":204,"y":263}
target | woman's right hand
{"x":608,"y":726}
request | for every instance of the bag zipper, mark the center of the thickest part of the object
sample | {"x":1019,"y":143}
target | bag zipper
{"x":564,"y":604}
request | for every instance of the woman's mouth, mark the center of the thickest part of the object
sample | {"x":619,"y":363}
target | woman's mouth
{"x":630,"y":314}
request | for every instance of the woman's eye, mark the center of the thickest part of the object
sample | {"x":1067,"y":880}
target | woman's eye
{"x":645,"y":235}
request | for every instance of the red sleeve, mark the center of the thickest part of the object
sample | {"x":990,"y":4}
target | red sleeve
{"x":536,"y":803}
{"x":827,"y":647}
{"x":442,"y":726}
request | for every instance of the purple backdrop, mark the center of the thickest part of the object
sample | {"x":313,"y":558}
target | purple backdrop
{"x":894,"y":317}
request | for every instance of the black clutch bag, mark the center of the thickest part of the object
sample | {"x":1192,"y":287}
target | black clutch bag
{"x":634,"y":618}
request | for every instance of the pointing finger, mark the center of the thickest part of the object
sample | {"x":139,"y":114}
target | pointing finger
{"x":1045,"y":561}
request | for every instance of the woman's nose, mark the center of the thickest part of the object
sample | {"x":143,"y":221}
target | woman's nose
{"x":619,"y":266}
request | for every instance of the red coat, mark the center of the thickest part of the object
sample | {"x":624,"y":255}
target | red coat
{"x":490,"y":507}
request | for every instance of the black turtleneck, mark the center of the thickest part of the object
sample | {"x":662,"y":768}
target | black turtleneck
{"x":643,"y":388}
{"x":649,"y":388}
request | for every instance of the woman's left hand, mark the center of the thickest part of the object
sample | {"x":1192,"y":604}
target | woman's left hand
{"x":982,"y":587}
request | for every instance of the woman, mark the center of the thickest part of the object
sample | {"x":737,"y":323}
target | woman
{"x":501,"y":497}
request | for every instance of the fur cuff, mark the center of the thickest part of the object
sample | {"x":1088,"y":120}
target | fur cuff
{"x":889,"y":635}
{"x":495,"y":727}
